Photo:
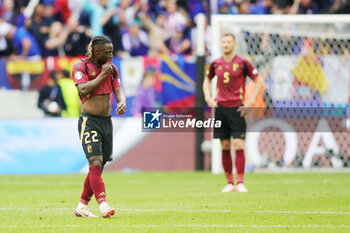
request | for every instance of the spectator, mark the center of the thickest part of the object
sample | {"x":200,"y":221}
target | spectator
{"x":51,"y":98}
{"x":262,"y":7}
{"x":48,"y":8}
{"x":174,"y":18}
{"x":7,"y":10}
{"x":281,"y":7}
{"x":48,"y":2}
{"x":96,"y":10}
{"x":146,"y":94}
{"x":22,"y":41}
{"x":13,"y":13}
{"x":178,"y":43}
{"x":135,"y":41}
{"x":110,"y":22}
{"x":124,"y":14}
{"x":75,"y":6}
{"x":56,"y":39}
{"x":155,"y":8}
{"x":78,"y":38}
{"x":144,"y":7}
{"x":122,"y":22}
{"x":38,"y":25}
{"x":303,"y":7}
{"x":129,"y":9}
{"x":157,"y":34}
{"x":243,"y":7}
{"x":61,"y":10}
{"x":69,"y":93}
{"x":335,"y":6}
{"x":5,"y":44}
{"x":182,"y":4}
{"x":308,"y":7}
{"x":198,"y":6}
{"x":226,"y":7}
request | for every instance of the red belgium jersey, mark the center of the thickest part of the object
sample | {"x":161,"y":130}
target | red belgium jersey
{"x":231,"y":79}
{"x":85,"y":70}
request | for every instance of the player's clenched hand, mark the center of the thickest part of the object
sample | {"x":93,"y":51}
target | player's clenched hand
{"x":107,"y":68}
{"x":121,"y":108}
{"x":211,"y":102}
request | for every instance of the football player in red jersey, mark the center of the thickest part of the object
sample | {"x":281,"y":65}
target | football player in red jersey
{"x":96,"y":78}
{"x":231,"y":71}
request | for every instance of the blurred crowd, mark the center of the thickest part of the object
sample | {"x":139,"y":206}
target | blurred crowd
{"x":43,"y":28}
{"x":280,"y":6}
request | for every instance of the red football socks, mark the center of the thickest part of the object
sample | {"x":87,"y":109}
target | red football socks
{"x":240,"y":163}
{"x":97,"y":185}
{"x":227,"y":164}
{"x":87,"y":191}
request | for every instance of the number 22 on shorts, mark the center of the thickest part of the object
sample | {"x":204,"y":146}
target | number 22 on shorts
{"x":93,"y":134}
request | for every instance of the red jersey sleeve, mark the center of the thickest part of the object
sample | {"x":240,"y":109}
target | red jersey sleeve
{"x":79,"y":73}
{"x":116,"y":80}
{"x":211,"y":71}
{"x":252,"y":71}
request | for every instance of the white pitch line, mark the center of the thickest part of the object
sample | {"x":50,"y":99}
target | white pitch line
{"x":177,"y":210}
{"x":179,"y":226}
{"x":235,"y":211}
{"x":186,"y":210}
{"x":301,"y":212}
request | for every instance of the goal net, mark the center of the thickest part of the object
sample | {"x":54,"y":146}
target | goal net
{"x":305,"y":62}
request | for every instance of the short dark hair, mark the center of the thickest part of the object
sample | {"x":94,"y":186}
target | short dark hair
{"x":229,"y":34}
{"x":65,"y":73}
{"x":95,"y":41}
{"x":53,"y":74}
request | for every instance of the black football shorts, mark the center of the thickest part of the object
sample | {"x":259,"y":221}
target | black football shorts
{"x":96,"y":135}
{"x":232,"y":123}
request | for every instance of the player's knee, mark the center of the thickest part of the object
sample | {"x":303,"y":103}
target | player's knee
{"x":225,"y":144}
{"x":95,"y":161}
{"x":238,"y":144}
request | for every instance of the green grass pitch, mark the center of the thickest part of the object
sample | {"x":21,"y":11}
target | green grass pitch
{"x":179,"y":202}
